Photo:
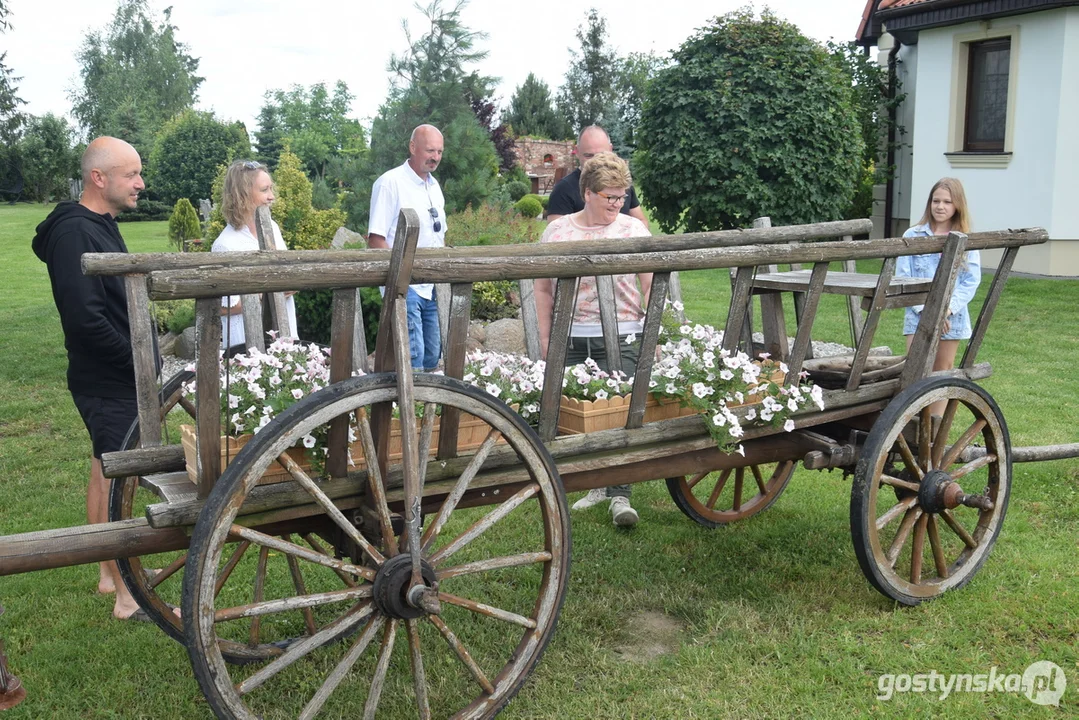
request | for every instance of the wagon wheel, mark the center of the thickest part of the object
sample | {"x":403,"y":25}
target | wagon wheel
{"x":717,"y":498}
{"x":155,"y":594}
{"x":500,"y":581}
{"x":159,"y":590}
{"x":922,"y":520}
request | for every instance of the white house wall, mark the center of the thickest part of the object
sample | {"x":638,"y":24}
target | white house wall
{"x":1040,"y":186}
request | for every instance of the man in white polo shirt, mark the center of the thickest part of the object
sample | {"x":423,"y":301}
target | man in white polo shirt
{"x":411,"y":185}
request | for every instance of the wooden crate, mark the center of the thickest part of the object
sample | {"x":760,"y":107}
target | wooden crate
{"x":580,"y":416}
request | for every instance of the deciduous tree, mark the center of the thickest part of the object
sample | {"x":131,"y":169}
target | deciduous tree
{"x":49,"y":159}
{"x":315,"y":123}
{"x":588,"y":95}
{"x":188,"y":151}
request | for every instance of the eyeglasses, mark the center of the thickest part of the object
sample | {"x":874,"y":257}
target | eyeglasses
{"x":434,"y":216}
{"x":252,"y":165}
{"x":613,"y":200}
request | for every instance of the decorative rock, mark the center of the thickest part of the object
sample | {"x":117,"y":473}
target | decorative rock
{"x":185,"y":344}
{"x":344,"y":236}
{"x":166,"y":342}
{"x":506,"y":336}
{"x":478,"y":331}
{"x":472,"y":345}
{"x":205,"y":208}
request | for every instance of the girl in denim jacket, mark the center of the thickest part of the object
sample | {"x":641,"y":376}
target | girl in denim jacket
{"x":945,"y":211}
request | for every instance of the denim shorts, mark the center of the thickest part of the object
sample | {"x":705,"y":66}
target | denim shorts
{"x":107,"y":419}
{"x":960,"y":329}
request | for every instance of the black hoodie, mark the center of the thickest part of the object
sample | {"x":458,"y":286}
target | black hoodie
{"x":93,"y":309}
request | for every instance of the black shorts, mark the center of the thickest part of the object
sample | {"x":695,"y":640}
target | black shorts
{"x":107,"y":420}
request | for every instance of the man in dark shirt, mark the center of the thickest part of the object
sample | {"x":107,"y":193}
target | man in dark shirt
{"x":566,"y":197}
{"x":93,"y":313}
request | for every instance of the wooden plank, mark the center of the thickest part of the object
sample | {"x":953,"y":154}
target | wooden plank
{"x":529,"y":318}
{"x":923,"y":348}
{"x":675,"y":293}
{"x":210,"y":281}
{"x":342,"y":338}
{"x":765,"y":222}
{"x":565,"y":294}
{"x":442,"y":302}
{"x":144,"y":356}
{"x":279,"y":319}
{"x":608,"y":320}
{"x":402,"y":257}
{"x":803,"y":339}
{"x":989,"y":306}
{"x":774,"y":326}
{"x":842,"y":283}
{"x":653,"y":319}
{"x":144,"y":461}
{"x":460,"y":309}
{"x":127,"y":263}
{"x":170,"y":487}
{"x":254,"y":335}
{"x":740,"y":297}
{"x":359,"y":339}
{"x":208,"y":391}
{"x":872,"y":320}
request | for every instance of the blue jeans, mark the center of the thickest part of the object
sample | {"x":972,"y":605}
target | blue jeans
{"x":424,"y":336}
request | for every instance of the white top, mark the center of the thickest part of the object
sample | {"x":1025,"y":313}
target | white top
{"x":233,"y":240}
{"x":403,"y":188}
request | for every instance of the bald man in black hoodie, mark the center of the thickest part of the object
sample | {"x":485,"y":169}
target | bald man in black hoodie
{"x":93,"y":312}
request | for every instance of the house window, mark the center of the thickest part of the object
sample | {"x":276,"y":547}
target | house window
{"x":987,"y":95}
{"x":548,"y":160}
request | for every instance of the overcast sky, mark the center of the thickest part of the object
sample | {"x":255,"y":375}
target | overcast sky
{"x":246,"y":47}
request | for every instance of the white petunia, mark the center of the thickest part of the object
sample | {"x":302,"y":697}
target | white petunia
{"x":297,"y":393}
{"x":309,"y":441}
{"x":789,"y":425}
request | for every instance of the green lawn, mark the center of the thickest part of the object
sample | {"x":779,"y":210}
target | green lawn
{"x":768,"y":618}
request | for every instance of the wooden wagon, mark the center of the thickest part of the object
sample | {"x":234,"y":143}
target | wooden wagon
{"x":293,"y":590}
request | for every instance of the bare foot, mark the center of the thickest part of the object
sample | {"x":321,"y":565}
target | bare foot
{"x":105,"y":586}
{"x":125,"y":611}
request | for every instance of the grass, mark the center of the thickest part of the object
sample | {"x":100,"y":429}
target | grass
{"x":767,"y":618}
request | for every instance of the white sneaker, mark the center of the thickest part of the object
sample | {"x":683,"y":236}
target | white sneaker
{"x":594,"y":497}
{"x":622,"y":513}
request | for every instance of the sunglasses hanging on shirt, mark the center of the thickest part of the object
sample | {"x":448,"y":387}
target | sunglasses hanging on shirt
{"x":434,"y":216}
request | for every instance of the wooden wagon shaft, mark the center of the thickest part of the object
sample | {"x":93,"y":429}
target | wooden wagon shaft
{"x":314,"y":273}
{"x":126,"y":264}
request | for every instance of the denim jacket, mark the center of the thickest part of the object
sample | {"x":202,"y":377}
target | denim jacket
{"x":966,"y":284}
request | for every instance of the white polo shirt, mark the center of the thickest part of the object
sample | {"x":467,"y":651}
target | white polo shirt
{"x":403,"y":188}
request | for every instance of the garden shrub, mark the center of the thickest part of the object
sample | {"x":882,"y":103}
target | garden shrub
{"x":529,"y":206}
{"x":491,"y":300}
{"x":516,"y":189}
{"x":544,"y":199}
{"x":184,"y":223}
{"x":173,"y":315}
{"x":487,"y":225}
{"x":146,"y":211}
{"x":314,"y":311}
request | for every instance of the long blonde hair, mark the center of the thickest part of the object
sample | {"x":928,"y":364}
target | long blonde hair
{"x":961,"y":219}
{"x":236,"y":195}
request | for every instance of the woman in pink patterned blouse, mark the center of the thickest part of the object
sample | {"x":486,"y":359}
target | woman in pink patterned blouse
{"x":605,"y":180}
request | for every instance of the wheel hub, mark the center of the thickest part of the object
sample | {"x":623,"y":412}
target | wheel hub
{"x":391,"y":591}
{"x":938,"y":492}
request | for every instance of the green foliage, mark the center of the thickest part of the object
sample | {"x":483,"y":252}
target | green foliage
{"x":188,"y":151}
{"x":588,"y":94}
{"x":48,"y":159}
{"x":314,"y":310}
{"x":133,"y":77}
{"x":516,"y":189}
{"x":184,"y":223}
{"x":11,"y":119}
{"x":532,"y":112}
{"x":752,"y":119}
{"x":544,"y":199}
{"x":314,"y":125}
{"x":173,"y":315}
{"x":492,"y":300}
{"x":302,"y":226}
{"x":488,"y":225}
{"x":322,"y":195}
{"x":529,"y":206}
{"x":632,"y":75}
{"x":269,"y":138}
{"x":146,"y":211}
{"x":216,"y":222}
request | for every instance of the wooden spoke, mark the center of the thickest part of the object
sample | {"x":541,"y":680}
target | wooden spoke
{"x":166,"y":572}
{"x":459,"y":488}
{"x":692,"y":482}
{"x":331,"y":509}
{"x":902,"y":534}
{"x":260,"y":581}
{"x":427,"y":431}
{"x":714,"y":497}
{"x":938,"y":548}
{"x":973,"y":465}
{"x":760,"y":480}
{"x":908,"y":458}
{"x":299,"y":551}
{"x":896,"y":510}
{"x":462,"y":654}
{"x":941,"y":438}
{"x":374,"y":482}
{"x":916,"y":548}
{"x":961,"y":444}
{"x":739,"y":476}
{"x":334,"y":679}
{"x":419,"y":677}
{"x":958,"y":529}
{"x":301,"y":589}
{"x":493,"y":564}
{"x":489,"y":611}
{"x":317,"y":547}
{"x":187,"y":405}
{"x":301,"y":602}
{"x":379,"y":679}
{"x":299,"y":649}
{"x":484,"y":523}
{"x":925,"y":438}
{"x":896,"y":482}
